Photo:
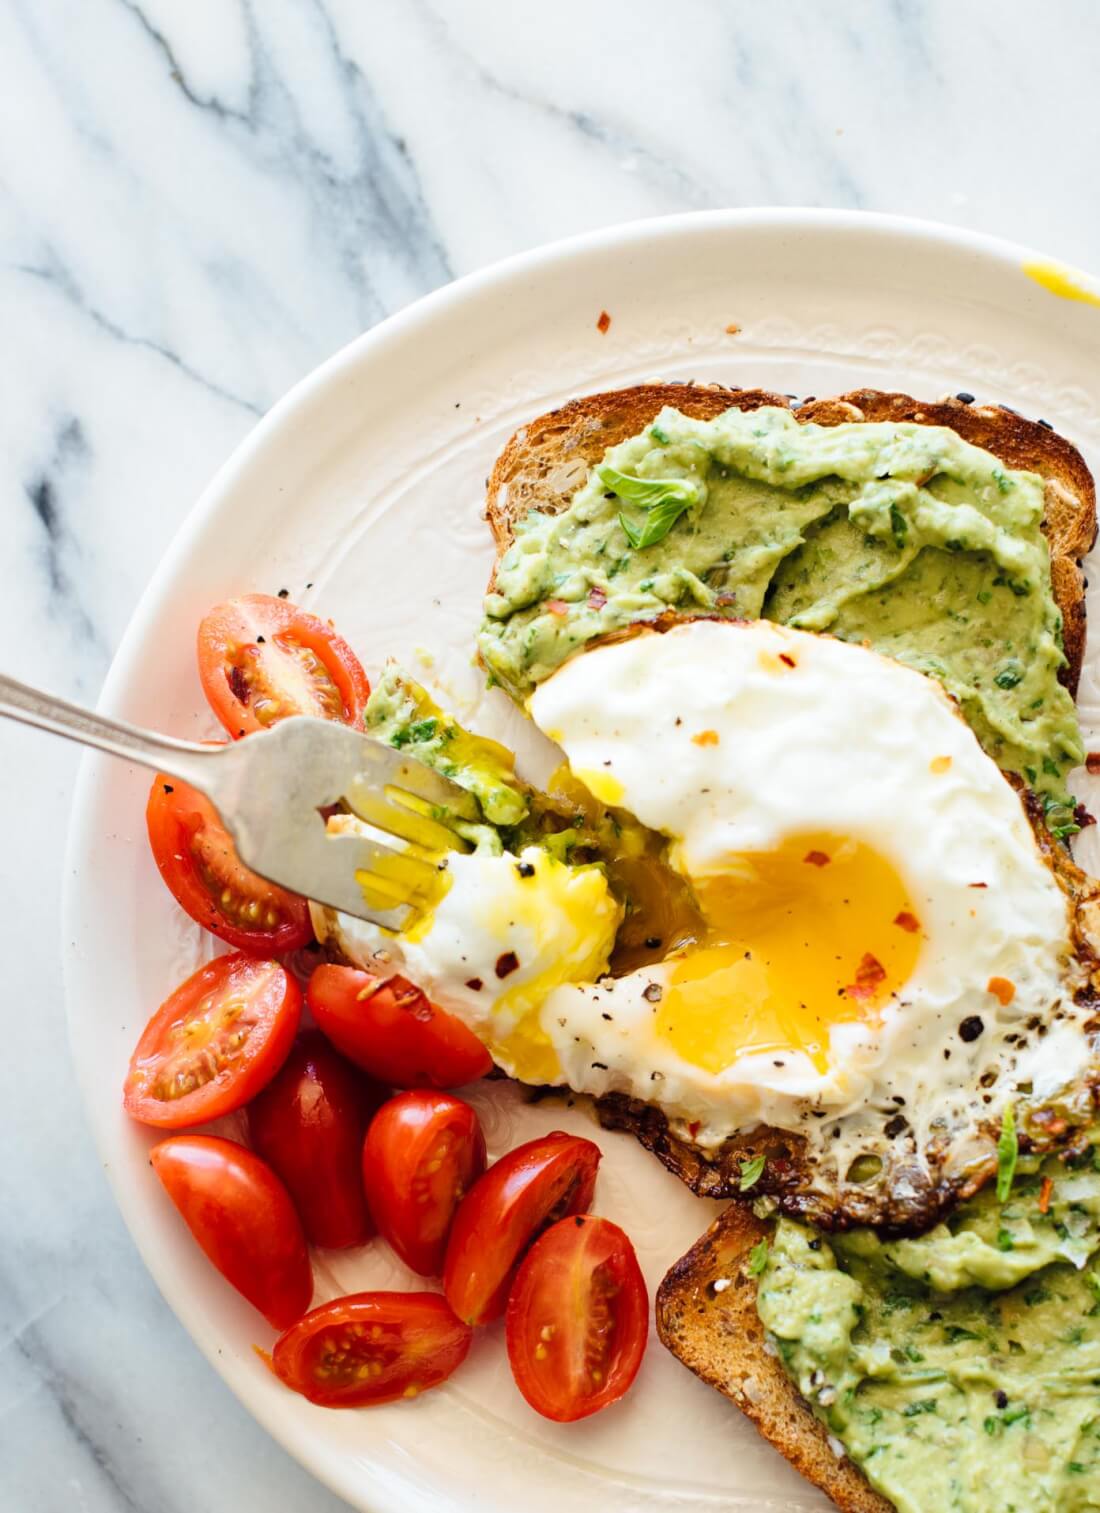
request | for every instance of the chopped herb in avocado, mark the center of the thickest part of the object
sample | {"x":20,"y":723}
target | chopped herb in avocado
{"x":1008,"y":1152}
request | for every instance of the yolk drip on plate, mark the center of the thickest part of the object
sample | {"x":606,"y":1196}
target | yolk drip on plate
{"x":816,"y":933}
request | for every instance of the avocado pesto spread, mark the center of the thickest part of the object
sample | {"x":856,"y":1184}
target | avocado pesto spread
{"x":960,"y":1370}
{"x":901,"y":535}
{"x":404,"y":715}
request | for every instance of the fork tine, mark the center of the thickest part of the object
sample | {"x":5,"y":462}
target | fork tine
{"x":400,"y":813}
{"x":387,"y":767}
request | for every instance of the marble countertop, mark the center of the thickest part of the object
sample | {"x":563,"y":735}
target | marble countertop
{"x":200,"y":202}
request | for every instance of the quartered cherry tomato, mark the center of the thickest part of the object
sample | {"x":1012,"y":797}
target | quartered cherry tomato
{"x":242,"y":1216}
{"x":214,"y":1043}
{"x":308,"y":1124}
{"x":371,"y":1347}
{"x":422,"y":1152}
{"x":505,"y":1210}
{"x":262,"y":659}
{"x":578,"y":1319}
{"x":197,"y":860}
{"x":392,"y":1031}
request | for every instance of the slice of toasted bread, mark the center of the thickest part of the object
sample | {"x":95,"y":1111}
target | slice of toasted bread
{"x":541,"y":468}
{"x":717,"y":1333}
{"x":547,"y":460}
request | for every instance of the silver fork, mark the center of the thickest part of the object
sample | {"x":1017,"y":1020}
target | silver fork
{"x":272,"y":789}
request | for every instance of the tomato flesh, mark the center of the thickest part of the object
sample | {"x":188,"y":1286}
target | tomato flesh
{"x":423,"y":1151}
{"x":197,"y":860}
{"x":393,"y":1032}
{"x":506,"y":1209}
{"x":308,"y":1124}
{"x":371,"y":1347}
{"x":262,"y":659}
{"x":213,"y":1043}
{"x":243,"y":1218}
{"x":578,"y":1319}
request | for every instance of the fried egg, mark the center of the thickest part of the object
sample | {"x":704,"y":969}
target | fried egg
{"x":507,"y":931}
{"x":878,"y":945}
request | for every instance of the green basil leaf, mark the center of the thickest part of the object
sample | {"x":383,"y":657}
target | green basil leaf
{"x":655,"y":527}
{"x":648,"y":492}
{"x":1008,"y":1149}
{"x":751,"y":1172}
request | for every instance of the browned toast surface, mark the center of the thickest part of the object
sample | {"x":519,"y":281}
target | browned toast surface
{"x":717,"y":1333}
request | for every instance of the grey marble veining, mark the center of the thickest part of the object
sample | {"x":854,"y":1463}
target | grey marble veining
{"x":198,"y":202}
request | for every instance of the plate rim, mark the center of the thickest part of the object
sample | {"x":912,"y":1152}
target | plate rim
{"x":360,"y":1486}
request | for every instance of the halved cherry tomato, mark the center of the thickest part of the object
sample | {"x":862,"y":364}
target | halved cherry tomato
{"x":309,"y":1123}
{"x":521,"y":1195}
{"x":578,"y":1319}
{"x":261,"y":659}
{"x":392,"y":1031}
{"x":213,"y":1043}
{"x":208,"y":880}
{"x":422,"y":1152}
{"x":371,"y":1347}
{"x":242,"y":1216}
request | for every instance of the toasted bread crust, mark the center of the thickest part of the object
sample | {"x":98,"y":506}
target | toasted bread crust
{"x":719,"y":1336}
{"x":546,"y":461}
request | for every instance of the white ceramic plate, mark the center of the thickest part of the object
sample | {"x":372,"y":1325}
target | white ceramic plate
{"x":361,"y":493}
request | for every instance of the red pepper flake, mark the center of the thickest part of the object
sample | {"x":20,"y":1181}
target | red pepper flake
{"x":1092,"y":762}
{"x":603,"y":325}
{"x":783,"y":657}
{"x":557,"y":607}
{"x":597,"y":598}
{"x":869,"y":974}
{"x":474,"y":984}
{"x":907,"y":921}
{"x":507,"y":962}
{"x":1044,"y":1194}
{"x":693,"y":1128}
{"x":705,"y":738}
{"x":733,"y":328}
{"x":817,"y":858}
{"x":977,"y":885}
{"x":1003,"y":990}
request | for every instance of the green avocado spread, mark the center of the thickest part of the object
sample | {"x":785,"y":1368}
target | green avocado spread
{"x":960,"y":1370}
{"x":900,"y":535}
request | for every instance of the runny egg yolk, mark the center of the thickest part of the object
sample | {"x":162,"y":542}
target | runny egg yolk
{"x":816,"y":933}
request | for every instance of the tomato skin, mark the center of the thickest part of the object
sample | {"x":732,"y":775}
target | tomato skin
{"x":308,"y":1124}
{"x":421,"y":1343}
{"x":423,"y":1151}
{"x":190,"y":1040}
{"x":578,"y":1319}
{"x":393,"y":1032}
{"x":243,"y":1218}
{"x":196,"y":858}
{"x":505,"y":1210}
{"x":262,"y":659}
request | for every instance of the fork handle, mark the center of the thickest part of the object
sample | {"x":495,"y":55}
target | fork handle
{"x":182,"y":759}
